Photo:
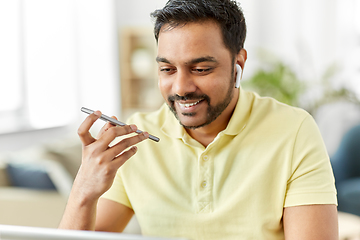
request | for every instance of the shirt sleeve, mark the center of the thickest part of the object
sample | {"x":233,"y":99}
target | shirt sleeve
{"x":117,"y":191}
{"x":311,"y":179}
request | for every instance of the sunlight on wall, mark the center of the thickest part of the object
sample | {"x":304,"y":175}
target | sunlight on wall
{"x":10,"y":62}
{"x":56,"y":57}
{"x":49,"y":62}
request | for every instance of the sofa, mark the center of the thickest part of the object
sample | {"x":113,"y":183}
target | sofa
{"x":346,"y":167}
{"x":35,"y":183}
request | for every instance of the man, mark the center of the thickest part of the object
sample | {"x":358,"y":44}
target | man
{"x":229,"y":165}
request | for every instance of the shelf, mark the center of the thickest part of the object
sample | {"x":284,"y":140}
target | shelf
{"x":138,"y":70}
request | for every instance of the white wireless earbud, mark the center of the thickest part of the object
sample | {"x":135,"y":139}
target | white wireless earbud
{"x":238,"y":75}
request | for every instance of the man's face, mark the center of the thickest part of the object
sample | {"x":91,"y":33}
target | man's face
{"x":196,"y":72}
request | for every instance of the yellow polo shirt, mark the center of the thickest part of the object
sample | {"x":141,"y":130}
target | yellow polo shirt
{"x":269,"y":157}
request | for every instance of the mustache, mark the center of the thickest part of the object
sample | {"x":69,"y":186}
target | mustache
{"x":188,"y":96}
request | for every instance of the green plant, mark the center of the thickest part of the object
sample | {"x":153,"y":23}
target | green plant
{"x":278,"y":81}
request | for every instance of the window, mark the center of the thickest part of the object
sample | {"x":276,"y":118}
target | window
{"x":10,"y":62}
{"x":37,"y":73}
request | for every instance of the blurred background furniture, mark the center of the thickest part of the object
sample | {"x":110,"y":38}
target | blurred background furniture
{"x":30,"y":207}
{"x":349,"y":226}
{"x":346,"y":167}
{"x":35,"y":184}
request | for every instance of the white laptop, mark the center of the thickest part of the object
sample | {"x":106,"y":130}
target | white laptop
{"x":9,"y":232}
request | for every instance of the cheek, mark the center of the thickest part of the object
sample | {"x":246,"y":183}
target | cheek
{"x":164,"y":87}
{"x":212,"y":86}
{"x":222,"y":89}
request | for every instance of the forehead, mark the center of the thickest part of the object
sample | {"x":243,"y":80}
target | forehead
{"x":192,"y":40}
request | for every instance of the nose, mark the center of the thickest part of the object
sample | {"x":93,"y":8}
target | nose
{"x":183,"y":83}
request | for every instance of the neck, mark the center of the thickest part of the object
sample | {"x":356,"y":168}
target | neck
{"x":205,"y":135}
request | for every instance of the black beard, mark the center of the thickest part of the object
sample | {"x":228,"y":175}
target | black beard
{"x":212,"y":111}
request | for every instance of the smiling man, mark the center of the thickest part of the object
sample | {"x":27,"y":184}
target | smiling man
{"x":230,"y":164}
{"x":196,"y":77}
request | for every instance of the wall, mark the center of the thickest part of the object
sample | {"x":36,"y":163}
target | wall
{"x":136,"y":12}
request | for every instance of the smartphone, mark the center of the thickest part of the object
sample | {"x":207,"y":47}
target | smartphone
{"x":116,"y":122}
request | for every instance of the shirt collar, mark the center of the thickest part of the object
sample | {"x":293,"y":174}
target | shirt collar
{"x":171,"y":125}
{"x":241,"y":113}
{"x":237,"y":123}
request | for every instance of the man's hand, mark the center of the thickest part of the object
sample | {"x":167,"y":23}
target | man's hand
{"x":100,"y":163}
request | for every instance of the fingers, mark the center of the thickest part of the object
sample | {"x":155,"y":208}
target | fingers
{"x":84,"y":128}
{"x":123,"y":157}
{"x":106,"y":127}
{"x":119,"y":160}
{"x":99,"y":148}
{"x":111,"y":133}
{"x":126,"y":143}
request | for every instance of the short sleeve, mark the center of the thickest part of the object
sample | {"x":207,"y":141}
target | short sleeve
{"x":311,"y":179}
{"x":117,"y":191}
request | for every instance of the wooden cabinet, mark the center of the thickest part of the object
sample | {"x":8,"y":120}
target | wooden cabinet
{"x":138,"y":71}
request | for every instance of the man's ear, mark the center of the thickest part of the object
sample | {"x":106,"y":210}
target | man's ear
{"x":240,"y":64}
{"x":241,"y":58}
{"x":238,"y":75}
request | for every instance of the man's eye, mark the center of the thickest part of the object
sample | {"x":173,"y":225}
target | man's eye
{"x":165,"y":70}
{"x":202,"y":70}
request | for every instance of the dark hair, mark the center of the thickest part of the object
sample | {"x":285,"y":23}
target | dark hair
{"x":226,"y":13}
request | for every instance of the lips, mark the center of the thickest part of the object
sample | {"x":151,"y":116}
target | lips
{"x":188,"y":105}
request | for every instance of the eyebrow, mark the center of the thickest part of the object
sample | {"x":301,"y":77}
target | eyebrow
{"x":193,"y":61}
{"x":161,"y":59}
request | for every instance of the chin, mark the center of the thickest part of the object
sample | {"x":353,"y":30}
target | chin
{"x":188,"y":120}
{"x":192,"y":124}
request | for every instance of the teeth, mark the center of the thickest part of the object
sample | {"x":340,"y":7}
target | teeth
{"x":187,"y":105}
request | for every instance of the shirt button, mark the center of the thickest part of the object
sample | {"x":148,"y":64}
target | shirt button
{"x":206,"y":157}
{"x":204,"y":184}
